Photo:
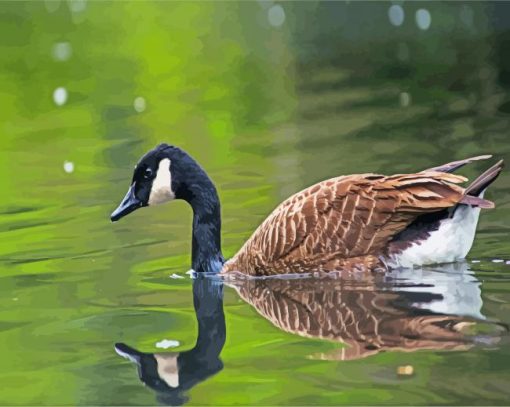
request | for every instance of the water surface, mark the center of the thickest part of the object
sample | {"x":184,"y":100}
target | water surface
{"x":268,"y":108}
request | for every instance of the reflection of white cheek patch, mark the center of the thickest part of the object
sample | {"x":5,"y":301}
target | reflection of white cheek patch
{"x":161,"y":190}
{"x":168,"y":368}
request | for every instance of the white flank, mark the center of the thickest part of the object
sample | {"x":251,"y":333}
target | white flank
{"x":451,"y":242}
{"x":161,"y":190}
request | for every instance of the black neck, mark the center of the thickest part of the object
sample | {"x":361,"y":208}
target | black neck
{"x":206,"y":241}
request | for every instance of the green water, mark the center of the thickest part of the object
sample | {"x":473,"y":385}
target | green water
{"x":267,"y":110}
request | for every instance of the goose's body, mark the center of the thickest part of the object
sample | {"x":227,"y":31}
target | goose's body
{"x":362,"y":221}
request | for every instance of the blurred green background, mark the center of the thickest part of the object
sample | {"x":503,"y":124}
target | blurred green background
{"x":269,"y":97}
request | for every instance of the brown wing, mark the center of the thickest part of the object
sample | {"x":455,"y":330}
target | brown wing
{"x":345,"y":217}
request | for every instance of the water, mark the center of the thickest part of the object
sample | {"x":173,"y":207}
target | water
{"x":267,"y":109}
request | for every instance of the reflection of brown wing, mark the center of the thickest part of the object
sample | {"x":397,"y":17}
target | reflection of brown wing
{"x":343,"y":218}
{"x":368,"y":321}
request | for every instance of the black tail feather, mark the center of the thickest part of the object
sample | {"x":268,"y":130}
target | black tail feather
{"x":455,"y":165}
{"x":485,"y":179}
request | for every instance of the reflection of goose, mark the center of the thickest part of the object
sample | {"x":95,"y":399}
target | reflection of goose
{"x":456,"y":289}
{"x":370,"y":220}
{"x":369,"y":313}
{"x":172,"y":373}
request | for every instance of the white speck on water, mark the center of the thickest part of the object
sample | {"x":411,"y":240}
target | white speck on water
{"x":396,"y":15}
{"x":423,"y":19}
{"x":68,"y":167}
{"x":475,"y":261}
{"x":139,"y":104}
{"x":405,"y":99}
{"x":60,"y":96}
{"x":62,"y":51}
{"x":498,"y":260}
{"x":52,"y":5}
{"x":167,"y":343}
{"x":467,"y":15}
{"x":402,"y":51}
{"x":176,"y":276}
{"x":265,"y":4}
{"x":77,"y":6}
{"x":276,"y":15}
{"x":407,"y":370}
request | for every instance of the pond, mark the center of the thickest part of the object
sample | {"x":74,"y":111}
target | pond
{"x":270,"y":98}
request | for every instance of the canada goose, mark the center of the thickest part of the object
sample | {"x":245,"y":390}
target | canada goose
{"x":370,"y":313}
{"x":172,"y":374}
{"x":367,"y":221}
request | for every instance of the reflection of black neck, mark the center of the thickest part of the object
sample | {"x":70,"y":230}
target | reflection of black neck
{"x":203,"y":360}
{"x":208,"y":302}
{"x":196,"y":364}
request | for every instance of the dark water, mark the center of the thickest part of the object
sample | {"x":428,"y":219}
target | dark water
{"x":268,"y":107}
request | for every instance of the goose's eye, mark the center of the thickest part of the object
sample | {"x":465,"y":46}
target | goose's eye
{"x":147,"y":173}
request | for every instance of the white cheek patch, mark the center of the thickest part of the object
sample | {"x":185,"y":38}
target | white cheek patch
{"x":161,"y":190}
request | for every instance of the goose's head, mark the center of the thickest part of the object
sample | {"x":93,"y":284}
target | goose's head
{"x":163,"y":174}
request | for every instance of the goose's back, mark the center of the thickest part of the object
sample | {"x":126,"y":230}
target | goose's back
{"x":342,"y":220}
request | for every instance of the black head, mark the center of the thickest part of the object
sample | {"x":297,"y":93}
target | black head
{"x":160,"y":176}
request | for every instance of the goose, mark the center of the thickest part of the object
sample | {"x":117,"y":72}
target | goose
{"x":364,"y":221}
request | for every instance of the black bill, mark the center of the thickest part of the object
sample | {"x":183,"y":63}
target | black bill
{"x":128,"y":205}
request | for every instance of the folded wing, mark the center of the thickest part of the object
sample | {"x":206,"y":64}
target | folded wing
{"x":345,"y":217}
